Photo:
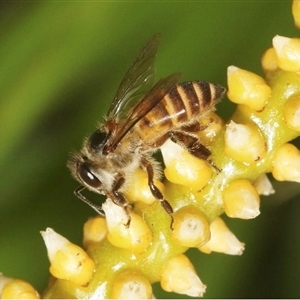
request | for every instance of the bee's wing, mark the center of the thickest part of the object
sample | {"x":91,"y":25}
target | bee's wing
{"x":137,"y":81}
{"x":155,"y":95}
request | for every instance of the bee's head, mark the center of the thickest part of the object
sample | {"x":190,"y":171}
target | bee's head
{"x":82,"y":170}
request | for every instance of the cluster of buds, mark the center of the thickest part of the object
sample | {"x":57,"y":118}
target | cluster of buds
{"x":121,"y":261}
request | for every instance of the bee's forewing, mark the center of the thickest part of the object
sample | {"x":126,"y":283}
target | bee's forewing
{"x":137,"y":81}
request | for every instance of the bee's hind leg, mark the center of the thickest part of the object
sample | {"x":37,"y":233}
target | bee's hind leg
{"x":155,"y":190}
{"x":194,"y":146}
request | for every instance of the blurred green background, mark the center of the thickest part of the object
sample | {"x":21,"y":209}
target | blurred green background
{"x":60,"y":65}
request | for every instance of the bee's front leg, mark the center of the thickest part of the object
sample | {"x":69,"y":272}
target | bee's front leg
{"x":118,"y":198}
{"x":155,"y":190}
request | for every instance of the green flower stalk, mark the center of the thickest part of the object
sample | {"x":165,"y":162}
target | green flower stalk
{"x":120,"y":261}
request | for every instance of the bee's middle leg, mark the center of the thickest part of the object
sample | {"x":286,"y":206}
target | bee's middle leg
{"x":155,"y":190}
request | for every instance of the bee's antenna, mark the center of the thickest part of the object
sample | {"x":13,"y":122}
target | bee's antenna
{"x":95,"y":207}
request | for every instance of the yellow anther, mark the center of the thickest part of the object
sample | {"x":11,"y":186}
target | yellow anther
{"x":244,"y":142}
{"x":135,"y":237}
{"x":139,"y":188}
{"x":68,"y":261}
{"x":190,"y":227}
{"x":292,"y":113}
{"x":222,"y":240}
{"x":241,"y":200}
{"x":286,"y":163}
{"x":183,"y":168}
{"x":287,"y":53}
{"x":94,"y":230}
{"x":247,"y":88}
{"x":131,"y":285}
{"x":179,"y":276}
{"x":269,"y":60}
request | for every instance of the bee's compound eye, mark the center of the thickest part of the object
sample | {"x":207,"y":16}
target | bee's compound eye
{"x":87,"y":176}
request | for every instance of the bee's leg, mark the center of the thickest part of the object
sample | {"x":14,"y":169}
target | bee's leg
{"x":118,"y":198}
{"x":193,"y":145}
{"x":197,"y":126}
{"x":95,"y":207}
{"x":155,"y":190}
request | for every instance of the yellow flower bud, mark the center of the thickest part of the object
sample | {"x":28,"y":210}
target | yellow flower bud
{"x":94,"y":230}
{"x":135,"y":237}
{"x":131,"y":285}
{"x":244,"y":142}
{"x":286,"y":163}
{"x":269,"y":60}
{"x":16,"y":289}
{"x":287,"y":53}
{"x":68,"y":261}
{"x":292,"y":113}
{"x":139,"y":189}
{"x":184,"y":168}
{"x":247,"y":88}
{"x":241,"y":200}
{"x":212,"y":124}
{"x":296,"y":13}
{"x":179,"y":276}
{"x":222,"y":240}
{"x":190,"y":227}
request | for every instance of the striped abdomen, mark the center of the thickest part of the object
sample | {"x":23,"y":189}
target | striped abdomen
{"x":182,"y":105}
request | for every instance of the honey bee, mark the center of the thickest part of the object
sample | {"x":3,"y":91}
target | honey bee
{"x":139,"y":121}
